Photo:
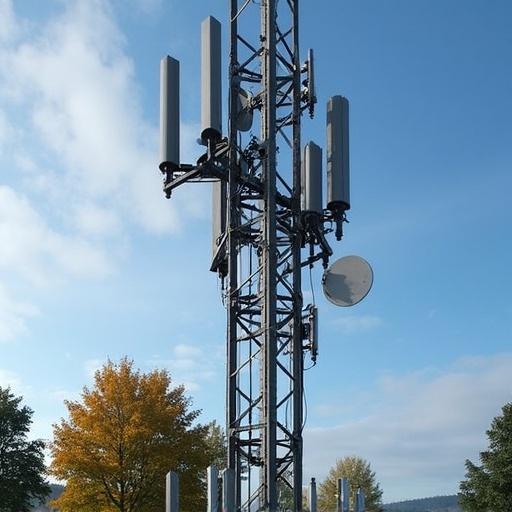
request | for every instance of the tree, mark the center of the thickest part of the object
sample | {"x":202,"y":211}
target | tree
{"x":360,"y":475}
{"x":122,"y":438}
{"x":488,"y":487}
{"x":22,"y":467}
{"x":217,"y":445}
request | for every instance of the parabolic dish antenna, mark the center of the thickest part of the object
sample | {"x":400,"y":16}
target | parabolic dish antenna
{"x":347,"y":281}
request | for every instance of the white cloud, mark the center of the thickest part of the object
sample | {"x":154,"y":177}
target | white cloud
{"x":94,"y":220}
{"x":191,"y":365}
{"x":82,"y":149}
{"x":91,"y":366}
{"x":357,"y":323}
{"x":147,"y":6}
{"x":29,"y":247}
{"x":9,"y":25}
{"x":10,"y":379}
{"x":13,"y":315}
{"x":78,"y":86}
{"x":5,"y":129}
{"x":419,"y":428}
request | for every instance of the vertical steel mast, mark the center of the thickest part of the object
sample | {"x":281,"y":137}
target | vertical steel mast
{"x":263,"y":216}
{"x":265,"y":354}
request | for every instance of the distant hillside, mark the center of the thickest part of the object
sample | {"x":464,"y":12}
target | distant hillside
{"x":56,"y":492}
{"x":435,"y":504}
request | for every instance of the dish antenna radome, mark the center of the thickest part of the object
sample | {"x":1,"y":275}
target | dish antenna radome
{"x":347,"y":281}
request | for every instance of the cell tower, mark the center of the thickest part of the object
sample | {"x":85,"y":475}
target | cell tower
{"x":268,"y":210}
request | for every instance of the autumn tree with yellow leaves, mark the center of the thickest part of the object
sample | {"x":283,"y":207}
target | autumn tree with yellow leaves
{"x":121,"y":439}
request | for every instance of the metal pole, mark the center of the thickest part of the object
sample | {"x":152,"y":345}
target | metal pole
{"x":172,"y":497}
{"x":269,"y":256}
{"x":312,"y":496}
{"x":298,"y":357}
{"x":233,"y":222}
{"x":345,"y":495}
{"x":360,"y":501}
{"x":228,"y":490}
{"x":213,"y":489}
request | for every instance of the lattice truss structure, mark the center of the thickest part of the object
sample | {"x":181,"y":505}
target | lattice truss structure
{"x":259,"y":231}
{"x":264,"y":238}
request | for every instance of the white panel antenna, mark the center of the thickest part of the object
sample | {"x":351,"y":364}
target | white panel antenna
{"x":169,"y":114}
{"x":211,"y":84}
{"x":338,"y":170}
{"x":311,"y":193}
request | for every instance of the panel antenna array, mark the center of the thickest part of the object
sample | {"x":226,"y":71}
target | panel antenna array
{"x":267,"y":207}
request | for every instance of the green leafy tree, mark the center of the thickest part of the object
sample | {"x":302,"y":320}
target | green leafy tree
{"x":217,"y":445}
{"x":488,"y":487}
{"x":121,"y":439}
{"x":360,"y":475}
{"x":22,"y":469}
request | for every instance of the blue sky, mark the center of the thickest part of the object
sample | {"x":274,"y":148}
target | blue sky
{"x":95,"y":263}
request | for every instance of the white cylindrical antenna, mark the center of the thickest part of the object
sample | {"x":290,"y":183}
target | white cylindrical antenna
{"x":311,"y":194}
{"x":211,"y":85}
{"x":169,"y":114}
{"x":338,"y":171}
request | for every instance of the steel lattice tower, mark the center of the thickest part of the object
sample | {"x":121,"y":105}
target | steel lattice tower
{"x":258,"y":242}
{"x":265,"y":354}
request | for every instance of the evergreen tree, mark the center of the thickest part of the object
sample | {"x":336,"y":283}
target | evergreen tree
{"x":488,"y":487}
{"x":22,"y":466}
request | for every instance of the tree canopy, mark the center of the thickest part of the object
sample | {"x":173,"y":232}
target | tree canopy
{"x":488,"y":486}
{"x":121,"y":439}
{"x":216,"y":442}
{"x":22,"y":468}
{"x":360,"y":475}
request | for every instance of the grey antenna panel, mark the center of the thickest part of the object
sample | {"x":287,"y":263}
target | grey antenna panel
{"x":311,"y":193}
{"x":169,"y":113}
{"x":211,"y":83}
{"x":338,"y":167}
{"x":347,"y":281}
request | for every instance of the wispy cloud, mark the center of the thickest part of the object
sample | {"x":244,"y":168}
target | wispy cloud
{"x":77,"y":142}
{"x":9,"y":25}
{"x":29,"y":247}
{"x":10,"y":379}
{"x":357,"y":323}
{"x":191,"y":365}
{"x":418,"y":428}
{"x":91,"y":366}
{"x":13,"y":315}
